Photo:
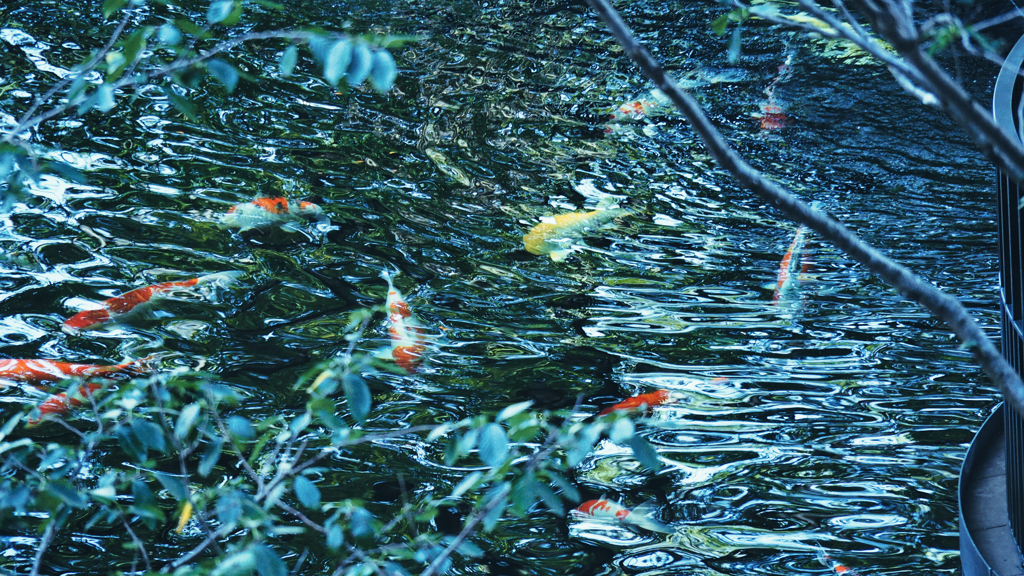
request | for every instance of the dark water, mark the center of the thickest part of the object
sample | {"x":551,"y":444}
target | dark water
{"x":836,"y":417}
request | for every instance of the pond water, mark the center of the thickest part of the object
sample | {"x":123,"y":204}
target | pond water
{"x":835,"y":417}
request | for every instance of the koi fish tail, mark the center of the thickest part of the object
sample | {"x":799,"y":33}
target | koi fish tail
{"x":220,"y":278}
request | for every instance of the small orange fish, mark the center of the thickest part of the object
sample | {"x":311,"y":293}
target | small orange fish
{"x":634,"y":110}
{"x":407,"y":339}
{"x":606,"y":509}
{"x":641,"y":402}
{"x":60,"y":404}
{"x":836,"y":566}
{"x":117,"y":306}
{"x":266,"y":212}
{"x":39,"y":371}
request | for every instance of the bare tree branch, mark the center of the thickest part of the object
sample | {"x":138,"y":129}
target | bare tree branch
{"x":937,"y":302}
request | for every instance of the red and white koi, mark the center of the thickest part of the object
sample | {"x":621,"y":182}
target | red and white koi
{"x":40,"y":371}
{"x":794,"y":261}
{"x":635,"y":110}
{"x":60,"y":404}
{"x":114,"y":308}
{"x":772,"y":114}
{"x":267,"y":212}
{"x":407,"y":338}
{"x":641,"y":516}
{"x":641,"y":402}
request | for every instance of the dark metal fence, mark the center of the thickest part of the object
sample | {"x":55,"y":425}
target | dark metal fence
{"x":1008,"y":108}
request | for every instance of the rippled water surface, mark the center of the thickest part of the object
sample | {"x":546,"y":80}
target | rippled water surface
{"x":836,"y":416}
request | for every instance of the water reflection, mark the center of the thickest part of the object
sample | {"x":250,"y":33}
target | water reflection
{"x":837,"y":419}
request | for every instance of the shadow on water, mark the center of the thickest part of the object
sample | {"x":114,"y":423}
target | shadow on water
{"x":835,"y":416}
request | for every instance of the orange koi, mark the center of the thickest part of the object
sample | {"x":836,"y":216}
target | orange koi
{"x":635,"y":110}
{"x":641,"y":402}
{"x":113,"y":308}
{"x":555,"y":234}
{"x":407,"y":339}
{"x":39,"y":371}
{"x":266,"y":212}
{"x":788,"y":265}
{"x":60,"y":404}
{"x":606,"y":509}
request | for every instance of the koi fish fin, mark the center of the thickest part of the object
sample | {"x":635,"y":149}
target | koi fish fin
{"x":221,"y":278}
{"x":560,"y":255}
{"x":644,"y":517}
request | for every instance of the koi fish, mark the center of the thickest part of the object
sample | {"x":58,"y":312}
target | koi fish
{"x":788,"y":265}
{"x":267,"y":212}
{"x":554,"y":235}
{"x":836,"y":566}
{"x":772,"y":116}
{"x":39,"y":371}
{"x":641,"y":516}
{"x":636,"y":110}
{"x":113,"y":308}
{"x":60,"y":404}
{"x":641,"y":402}
{"x":407,"y":339}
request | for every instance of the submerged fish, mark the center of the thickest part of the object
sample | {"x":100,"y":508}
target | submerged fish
{"x":641,"y":402}
{"x":836,"y":566}
{"x":555,"y":234}
{"x":39,"y":371}
{"x":634,"y":110}
{"x":60,"y":404}
{"x":641,"y":516}
{"x":407,"y":339}
{"x":267,"y":212}
{"x":772,"y":116}
{"x":115,"y":307}
{"x":794,"y":261}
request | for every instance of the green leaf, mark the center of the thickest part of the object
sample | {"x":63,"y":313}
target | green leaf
{"x":335,"y":536}
{"x":336,"y":61}
{"x":289,"y":59}
{"x":513,"y":410}
{"x":210,"y":457}
{"x":268,"y":562}
{"x":173,"y":484}
{"x":188,"y":27}
{"x":223,"y":72}
{"x":68,"y":495}
{"x":142,"y":495}
{"x":360,"y":64}
{"x":383,"y":72}
{"x":621,"y":430}
{"x":718,"y":25}
{"x":104,"y":98}
{"x":491,"y":519}
{"x":357,"y":394}
{"x":734,"y":45}
{"x":271,"y":5}
{"x":241,"y":428}
{"x":131,"y":444}
{"x":116,"y":63}
{"x":243,"y":562}
{"x":493,"y":445}
{"x":111,"y":6}
{"x":136,"y":43}
{"x":467,"y":483}
{"x":569,"y":491}
{"x":151,"y":435}
{"x":186,"y":420}
{"x":645,"y":453}
{"x":77,"y":85}
{"x":307,"y":492}
{"x":168,"y":35}
{"x":219,"y":11}
{"x":361,"y":524}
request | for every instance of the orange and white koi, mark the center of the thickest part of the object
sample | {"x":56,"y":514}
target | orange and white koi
{"x":266,"y":212}
{"x":634,"y":110}
{"x":113,"y":308}
{"x":642,"y":516}
{"x":40,"y":371}
{"x":555,"y":234}
{"x":793,"y":261}
{"x":60,"y":404}
{"x":640,"y":402}
{"x":407,"y":338}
